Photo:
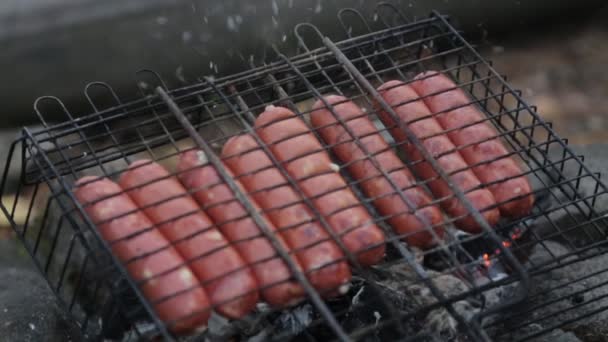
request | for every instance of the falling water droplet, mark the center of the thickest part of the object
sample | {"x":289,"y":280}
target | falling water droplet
{"x":319,"y":7}
{"x":231,"y":24}
{"x":275,"y":7}
{"x":179,"y":74}
{"x":186,"y":36}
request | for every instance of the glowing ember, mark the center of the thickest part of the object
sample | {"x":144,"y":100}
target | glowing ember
{"x":516,"y":234}
{"x":486,"y":260}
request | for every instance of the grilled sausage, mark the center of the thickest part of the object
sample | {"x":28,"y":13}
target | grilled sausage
{"x":428,"y":130}
{"x":165,"y":279}
{"x":231,"y":217}
{"x":292,"y":142}
{"x":230,"y":284}
{"x":374,"y":185}
{"x":493,"y":165}
{"x":320,"y":258}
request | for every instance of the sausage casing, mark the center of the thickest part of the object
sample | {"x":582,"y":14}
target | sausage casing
{"x":228,"y":281}
{"x":176,"y":295}
{"x":318,"y":255}
{"x":293,"y":144}
{"x":481,"y":145}
{"x":231,"y":217}
{"x":414,"y":227}
{"x":412,"y":111}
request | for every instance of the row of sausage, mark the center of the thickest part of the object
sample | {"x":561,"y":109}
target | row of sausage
{"x":188,"y":261}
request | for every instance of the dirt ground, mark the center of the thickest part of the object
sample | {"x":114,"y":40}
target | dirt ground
{"x":565,"y":73}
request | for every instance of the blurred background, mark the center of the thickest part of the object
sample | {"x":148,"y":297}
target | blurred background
{"x":553,"y":50}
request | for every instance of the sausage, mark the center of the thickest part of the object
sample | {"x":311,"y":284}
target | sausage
{"x":414,"y":227}
{"x":231,"y":217}
{"x":318,"y":255}
{"x":230,"y":284}
{"x":176,"y":296}
{"x":292,"y":142}
{"x":508,"y":185}
{"x":395,"y":93}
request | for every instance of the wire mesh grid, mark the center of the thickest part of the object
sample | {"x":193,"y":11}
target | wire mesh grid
{"x":464,"y":287}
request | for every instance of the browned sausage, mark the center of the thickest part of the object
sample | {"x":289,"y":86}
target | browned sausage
{"x":396,"y":94}
{"x":320,"y":257}
{"x":230,"y":284}
{"x":231,"y":217}
{"x":146,"y":255}
{"x":306,"y":161}
{"x":414,"y":227}
{"x":510,"y":188}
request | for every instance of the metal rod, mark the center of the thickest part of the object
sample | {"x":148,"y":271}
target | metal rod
{"x":430,"y":159}
{"x":246,"y":202}
{"x":393,"y":63}
{"x":145,"y":303}
{"x":316,"y":299}
{"x":285,"y":97}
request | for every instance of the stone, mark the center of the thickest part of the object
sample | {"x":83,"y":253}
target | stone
{"x":562,"y":295}
{"x":29,"y":310}
{"x":559,"y":335}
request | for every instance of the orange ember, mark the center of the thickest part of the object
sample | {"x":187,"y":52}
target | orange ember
{"x":516,"y":234}
{"x":486,"y":260}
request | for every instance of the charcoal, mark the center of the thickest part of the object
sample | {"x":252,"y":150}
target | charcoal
{"x":296,"y":321}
